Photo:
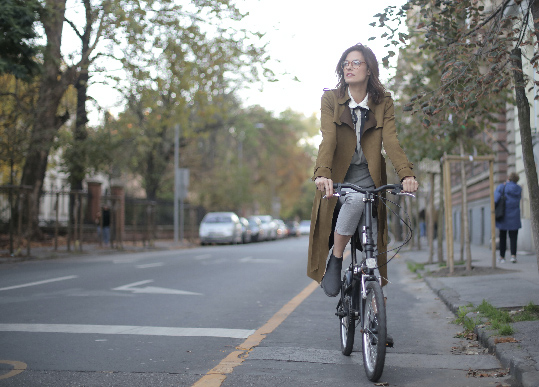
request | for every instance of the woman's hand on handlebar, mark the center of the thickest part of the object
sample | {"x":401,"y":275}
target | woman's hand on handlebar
{"x":410,"y":184}
{"x":325,"y":185}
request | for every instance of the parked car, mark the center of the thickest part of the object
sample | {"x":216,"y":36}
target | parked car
{"x":269,"y":227}
{"x":220,"y":227}
{"x":246,"y":232}
{"x":293,"y":228}
{"x":282,"y":230}
{"x":305,"y":227}
{"x":257,"y":233}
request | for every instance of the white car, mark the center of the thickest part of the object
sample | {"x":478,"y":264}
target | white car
{"x":305,"y":227}
{"x":220,"y":227}
{"x":269,"y":226}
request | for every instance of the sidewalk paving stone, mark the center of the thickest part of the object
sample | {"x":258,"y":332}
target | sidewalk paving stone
{"x":511,"y":287}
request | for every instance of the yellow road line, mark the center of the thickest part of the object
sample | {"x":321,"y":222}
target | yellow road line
{"x":18,"y":367}
{"x":216,"y":376}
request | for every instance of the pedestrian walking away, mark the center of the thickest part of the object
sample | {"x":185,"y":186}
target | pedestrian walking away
{"x":510,"y":222}
{"x":104,"y":223}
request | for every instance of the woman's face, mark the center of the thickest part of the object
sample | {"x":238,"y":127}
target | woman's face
{"x":352,"y":73}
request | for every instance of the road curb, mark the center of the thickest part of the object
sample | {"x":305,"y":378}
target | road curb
{"x":516,"y":360}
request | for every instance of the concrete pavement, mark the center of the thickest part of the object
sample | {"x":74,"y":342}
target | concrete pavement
{"x":510,"y":286}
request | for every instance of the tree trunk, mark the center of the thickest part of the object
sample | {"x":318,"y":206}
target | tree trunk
{"x":53,"y":85}
{"x":530,"y":168}
{"x":440,"y":230}
{"x":465,"y":229}
{"x":77,"y":153}
{"x":430,"y":219}
{"x":417,"y":206}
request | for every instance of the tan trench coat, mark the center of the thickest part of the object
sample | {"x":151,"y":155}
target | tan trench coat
{"x":334,"y":157}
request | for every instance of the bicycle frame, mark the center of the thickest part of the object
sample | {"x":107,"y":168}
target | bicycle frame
{"x":361,"y":272}
{"x":366,"y":269}
{"x":362,"y":296}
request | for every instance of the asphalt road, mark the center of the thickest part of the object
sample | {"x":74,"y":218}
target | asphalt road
{"x":246,"y":312}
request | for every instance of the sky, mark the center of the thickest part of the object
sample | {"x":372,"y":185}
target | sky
{"x":305,"y":40}
{"x":308,"y":38}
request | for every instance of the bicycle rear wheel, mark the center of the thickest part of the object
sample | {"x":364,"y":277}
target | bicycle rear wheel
{"x":374,"y":331}
{"x":347,"y":325}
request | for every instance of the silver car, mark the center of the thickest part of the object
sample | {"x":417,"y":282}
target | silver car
{"x":269,"y":226}
{"x":220,"y":227}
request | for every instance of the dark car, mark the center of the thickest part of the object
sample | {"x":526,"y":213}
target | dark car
{"x":257,"y":234}
{"x":293,"y":228}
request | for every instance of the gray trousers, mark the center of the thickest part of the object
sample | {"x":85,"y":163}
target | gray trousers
{"x":352,"y":214}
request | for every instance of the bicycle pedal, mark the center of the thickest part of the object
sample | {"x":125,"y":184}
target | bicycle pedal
{"x":389,"y":341}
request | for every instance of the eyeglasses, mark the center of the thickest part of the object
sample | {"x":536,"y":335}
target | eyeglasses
{"x":355,"y":64}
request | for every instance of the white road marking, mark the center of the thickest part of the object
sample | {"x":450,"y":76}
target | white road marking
{"x":153,"y":289}
{"x":40,"y":282}
{"x":126,"y":260}
{"x":157,"y":264}
{"x":259,"y":260}
{"x":128,"y":330}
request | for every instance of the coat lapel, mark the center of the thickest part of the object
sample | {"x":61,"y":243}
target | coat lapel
{"x":371,"y":121}
{"x":345,"y":115}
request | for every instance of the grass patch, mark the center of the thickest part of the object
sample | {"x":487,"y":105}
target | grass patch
{"x":498,"y":319}
{"x":467,"y":322}
{"x":415,"y":267}
{"x":529,"y":313}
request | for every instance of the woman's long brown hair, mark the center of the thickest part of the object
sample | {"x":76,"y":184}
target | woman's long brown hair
{"x":374,"y":87}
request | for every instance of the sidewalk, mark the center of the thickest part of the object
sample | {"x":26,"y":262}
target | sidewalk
{"x":512,"y":287}
{"x":89,"y":249}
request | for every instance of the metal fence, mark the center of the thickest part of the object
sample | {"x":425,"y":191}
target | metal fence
{"x":134,"y":221}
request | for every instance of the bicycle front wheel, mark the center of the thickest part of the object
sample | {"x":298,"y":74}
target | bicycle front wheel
{"x":374,"y":331}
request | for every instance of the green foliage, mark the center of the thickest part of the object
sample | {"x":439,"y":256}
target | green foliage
{"x":17,"y":103}
{"x":467,"y":322}
{"x":498,"y":319}
{"x":529,"y":313}
{"x":492,"y":313}
{"x":415,"y":267}
{"x":453,"y":73}
{"x":267,"y":154}
{"x":17,"y":18}
{"x":183,"y":65}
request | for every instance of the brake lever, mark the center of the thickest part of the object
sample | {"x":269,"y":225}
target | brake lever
{"x":406,"y":194}
{"x":335,"y":194}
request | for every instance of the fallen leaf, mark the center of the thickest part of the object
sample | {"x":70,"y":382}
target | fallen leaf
{"x":499,"y":340}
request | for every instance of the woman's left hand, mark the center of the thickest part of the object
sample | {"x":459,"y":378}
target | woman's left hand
{"x":410,"y":184}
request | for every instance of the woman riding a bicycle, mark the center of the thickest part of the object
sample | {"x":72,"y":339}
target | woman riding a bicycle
{"x":357,"y":119}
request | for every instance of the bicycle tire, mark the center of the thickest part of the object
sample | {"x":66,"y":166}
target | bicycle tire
{"x":374,"y":332}
{"x":347,"y":325}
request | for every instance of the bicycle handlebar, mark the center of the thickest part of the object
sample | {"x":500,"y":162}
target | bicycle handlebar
{"x":396,"y":189}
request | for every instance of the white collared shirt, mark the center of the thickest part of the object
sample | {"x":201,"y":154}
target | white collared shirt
{"x":358,"y":157}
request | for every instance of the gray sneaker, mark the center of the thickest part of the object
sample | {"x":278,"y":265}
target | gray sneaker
{"x":331,"y":283}
{"x":513,"y":259}
{"x":502,"y":260}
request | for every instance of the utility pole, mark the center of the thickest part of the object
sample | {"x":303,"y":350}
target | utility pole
{"x":176,"y":178}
